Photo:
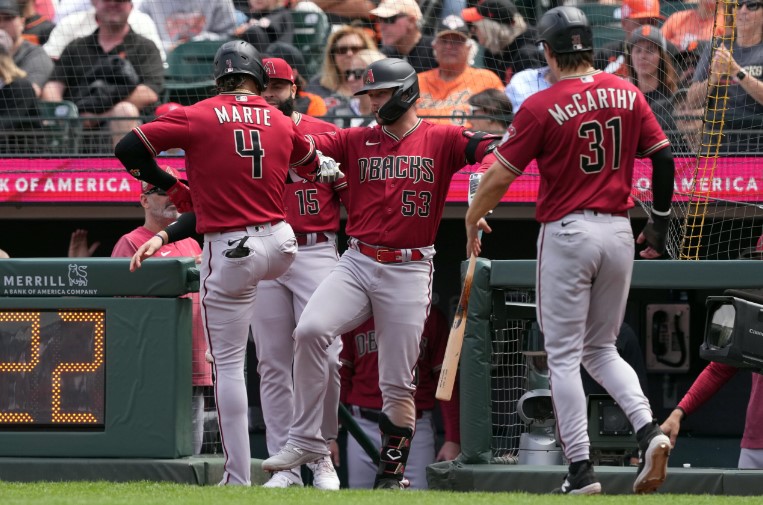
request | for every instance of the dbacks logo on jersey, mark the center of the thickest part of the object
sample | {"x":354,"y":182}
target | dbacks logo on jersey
{"x":377,"y":168}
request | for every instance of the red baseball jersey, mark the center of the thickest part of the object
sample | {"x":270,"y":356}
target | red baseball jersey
{"x":584,"y":131}
{"x":237,"y":152}
{"x":127,"y":245}
{"x":310,"y":206}
{"x":399,"y":184}
{"x":360,"y":370}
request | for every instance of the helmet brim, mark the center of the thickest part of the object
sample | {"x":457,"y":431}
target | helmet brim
{"x":371,"y":87}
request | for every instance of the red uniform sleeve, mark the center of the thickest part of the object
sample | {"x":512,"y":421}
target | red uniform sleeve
{"x":652,"y":137}
{"x":302,"y":151}
{"x":165,"y":132}
{"x":712,"y":378}
{"x":347,"y":370}
{"x":524,"y":144}
{"x":332,"y":144}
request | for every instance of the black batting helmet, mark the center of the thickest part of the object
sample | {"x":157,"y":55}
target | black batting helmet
{"x":392,"y":73}
{"x":240,"y":57}
{"x":566,"y":30}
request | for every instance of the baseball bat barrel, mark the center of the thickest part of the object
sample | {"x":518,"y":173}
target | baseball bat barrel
{"x":358,"y":434}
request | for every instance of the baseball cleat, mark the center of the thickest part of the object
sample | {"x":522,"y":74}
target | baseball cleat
{"x":653,"y":460}
{"x":582,"y":481}
{"x":324,"y":474}
{"x":289,"y":457}
{"x":287,"y":478}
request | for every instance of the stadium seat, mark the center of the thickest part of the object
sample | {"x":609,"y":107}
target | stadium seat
{"x":311,"y":30}
{"x":189,"y":74}
{"x":600,"y":14}
{"x":60,"y":127}
{"x":603,"y":35}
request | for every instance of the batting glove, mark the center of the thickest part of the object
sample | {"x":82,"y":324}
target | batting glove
{"x":328,"y":169}
{"x":656,"y":231}
{"x":180,"y":195}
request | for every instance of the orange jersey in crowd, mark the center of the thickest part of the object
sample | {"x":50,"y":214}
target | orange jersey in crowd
{"x":449,"y":98}
{"x":684,"y":27}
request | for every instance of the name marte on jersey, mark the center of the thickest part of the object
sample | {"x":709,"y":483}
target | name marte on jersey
{"x":377,"y":168}
{"x":603,"y":98}
{"x":243,"y":114}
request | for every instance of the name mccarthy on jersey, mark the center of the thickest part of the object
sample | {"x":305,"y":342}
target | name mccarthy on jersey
{"x":243,"y":114}
{"x":379,"y":168}
{"x":590,"y":100}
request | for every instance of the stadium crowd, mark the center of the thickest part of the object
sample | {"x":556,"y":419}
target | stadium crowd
{"x":112,"y":63}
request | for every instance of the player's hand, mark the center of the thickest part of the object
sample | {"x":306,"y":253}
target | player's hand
{"x":449,"y":451}
{"x":655,"y":234}
{"x":180,"y":196}
{"x":328,"y":169}
{"x":78,"y":247}
{"x":672,"y":425}
{"x":334,"y":450}
{"x":145,"y":251}
{"x":473,"y":236}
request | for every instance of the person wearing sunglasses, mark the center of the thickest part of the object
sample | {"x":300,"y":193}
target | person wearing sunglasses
{"x":331,"y":82}
{"x":357,"y":110}
{"x":400,"y":23}
{"x":737,"y":71}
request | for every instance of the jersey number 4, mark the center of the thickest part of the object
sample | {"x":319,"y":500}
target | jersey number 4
{"x":253,"y":151}
{"x":594,"y":132}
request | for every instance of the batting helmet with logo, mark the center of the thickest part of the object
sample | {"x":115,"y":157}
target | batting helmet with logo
{"x":240,"y":57}
{"x":392,"y":73}
{"x":566,"y":30}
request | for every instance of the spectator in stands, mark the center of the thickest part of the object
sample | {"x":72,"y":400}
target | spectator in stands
{"x":400,"y":23}
{"x":45,"y":8}
{"x":85,"y":22}
{"x":268,"y":21}
{"x":650,"y":65}
{"x":345,"y":11}
{"x":527,"y":83}
{"x":37,"y":27}
{"x":331,"y":83}
{"x":491,"y":111}
{"x":688,"y":124}
{"x":734,"y":76}
{"x":356,"y":111}
{"x":27,"y":56}
{"x":360,"y":390}
{"x":179,"y":21}
{"x":633,"y":14}
{"x":18,"y":101}
{"x":508,"y":39}
{"x":694,"y":24}
{"x":113,"y":73}
{"x":444,"y":89}
{"x":64,"y":8}
{"x":305,"y":103}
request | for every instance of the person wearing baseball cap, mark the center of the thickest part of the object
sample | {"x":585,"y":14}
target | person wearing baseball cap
{"x":508,"y":39}
{"x":633,"y":14}
{"x":281,"y":90}
{"x":443,"y":88}
{"x":650,"y":65}
{"x":400,"y":23}
{"x":29,"y":57}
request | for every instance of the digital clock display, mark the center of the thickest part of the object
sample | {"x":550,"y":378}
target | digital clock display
{"x":52,"y":371}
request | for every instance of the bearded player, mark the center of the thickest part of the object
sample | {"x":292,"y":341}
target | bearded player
{"x":584,"y":132}
{"x":312,"y":210}
{"x":398,"y":175}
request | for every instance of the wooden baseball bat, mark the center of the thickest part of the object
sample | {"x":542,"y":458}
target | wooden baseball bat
{"x":455,"y":338}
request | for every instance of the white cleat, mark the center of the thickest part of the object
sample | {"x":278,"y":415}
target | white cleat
{"x":287,"y":478}
{"x":290,"y":457}
{"x":324,"y":474}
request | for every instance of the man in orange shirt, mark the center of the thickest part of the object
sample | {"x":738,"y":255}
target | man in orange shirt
{"x":446,"y":88}
{"x":686,"y":26}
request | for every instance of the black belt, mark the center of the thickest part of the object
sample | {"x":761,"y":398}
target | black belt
{"x":302,"y":238}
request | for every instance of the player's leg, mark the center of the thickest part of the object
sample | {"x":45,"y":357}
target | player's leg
{"x":361,"y":470}
{"x":338,"y":305}
{"x":422,"y":452}
{"x":567,"y":264}
{"x":400,"y":302}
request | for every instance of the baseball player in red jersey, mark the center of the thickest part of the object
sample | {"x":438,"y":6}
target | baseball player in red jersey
{"x":584,"y":132}
{"x":160,"y":212}
{"x":238,"y":151}
{"x":361,"y":393}
{"x":312,"y":210}
{"x":398,"y":177}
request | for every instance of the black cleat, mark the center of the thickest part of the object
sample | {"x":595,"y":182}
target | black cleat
{"x":580,"y":481}
{"x":654,"y":449}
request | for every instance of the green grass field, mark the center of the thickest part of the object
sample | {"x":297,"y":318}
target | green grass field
{"x":149,"y":493}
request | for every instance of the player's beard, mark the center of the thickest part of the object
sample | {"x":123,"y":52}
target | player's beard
{"x":286,"y":106}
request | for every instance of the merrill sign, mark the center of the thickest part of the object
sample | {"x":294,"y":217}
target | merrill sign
{"x":72,"y":284}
